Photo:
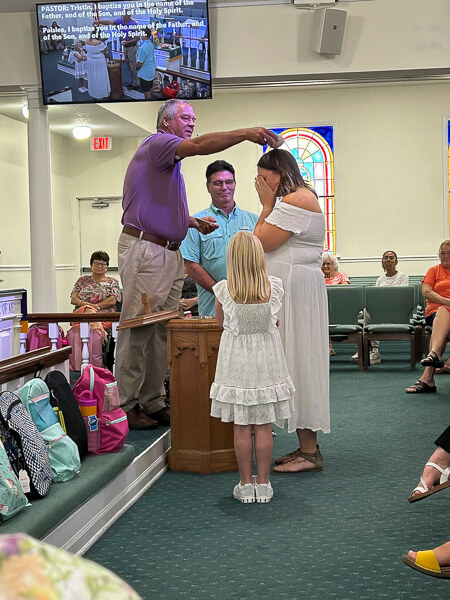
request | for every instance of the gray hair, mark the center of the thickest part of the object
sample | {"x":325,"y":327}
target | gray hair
{"x":333,"y":259}
{"x":169,"y":110}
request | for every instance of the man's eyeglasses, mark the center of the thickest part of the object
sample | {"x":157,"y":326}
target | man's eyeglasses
{"x":218,"y":184}
{"x":444,"y":254}
{"x":99,"y":263}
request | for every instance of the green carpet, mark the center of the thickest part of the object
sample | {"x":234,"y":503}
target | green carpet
{"x":338,"y":534}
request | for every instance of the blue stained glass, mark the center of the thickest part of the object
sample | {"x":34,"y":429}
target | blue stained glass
{"x":295,"y":153}
{"x":327,"y":133}
{"x":448,"y":132}
{"x":304,"y":173}
{"x":310,"y":168}
{"x":317,"y":156}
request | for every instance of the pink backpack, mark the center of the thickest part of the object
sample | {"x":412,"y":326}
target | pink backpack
{"x":37,"y":337}
{"x":98,"y":398}
{"x":94,"y":346}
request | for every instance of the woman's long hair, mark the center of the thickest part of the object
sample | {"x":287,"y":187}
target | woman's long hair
{"x":282,"y":162}
{"x":247,"y":278}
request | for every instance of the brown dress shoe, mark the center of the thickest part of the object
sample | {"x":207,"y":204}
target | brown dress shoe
{"x":139,"y":420}
{"x":162,"y":416}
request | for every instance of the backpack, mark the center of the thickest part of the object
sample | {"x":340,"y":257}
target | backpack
{"x":37,"y":337}
{"x":12,"y":498}
{"x":98,"y":397}
{"x":95,"y":347}
{"x":67,"y":410}
{"x":62,"y":451}
{"x":24,"y":446}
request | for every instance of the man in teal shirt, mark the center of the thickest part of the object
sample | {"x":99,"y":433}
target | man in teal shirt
{"x":205,"y":256}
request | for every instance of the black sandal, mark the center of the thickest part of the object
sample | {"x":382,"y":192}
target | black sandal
{"x":432,"y":360}
{"x":420,"y":387}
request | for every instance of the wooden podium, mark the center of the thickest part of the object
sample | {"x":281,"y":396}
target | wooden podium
{"x":200,"y":443}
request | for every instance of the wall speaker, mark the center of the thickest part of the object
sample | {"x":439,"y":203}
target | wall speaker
{"x":328,"y":30}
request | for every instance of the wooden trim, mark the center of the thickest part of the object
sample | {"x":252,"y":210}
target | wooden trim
{"x":24,"y":364}
{"x":73,"y":317}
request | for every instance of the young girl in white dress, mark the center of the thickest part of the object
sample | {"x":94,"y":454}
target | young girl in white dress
{"x":252,"y":386}
{"x":80,"y":66}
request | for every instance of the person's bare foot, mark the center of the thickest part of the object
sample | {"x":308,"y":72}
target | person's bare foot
{"x":431,"y":475}
{"x":295,"y":466}
{"x":442,"y":554}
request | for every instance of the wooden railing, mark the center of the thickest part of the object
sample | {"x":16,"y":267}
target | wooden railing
{"x":53,"y":319}
{"x":15,"y":371}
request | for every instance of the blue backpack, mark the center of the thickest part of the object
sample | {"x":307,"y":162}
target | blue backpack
{"x":62,"y":450}
{"x":24,"y":446}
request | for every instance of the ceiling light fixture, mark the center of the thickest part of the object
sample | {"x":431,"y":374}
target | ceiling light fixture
{"x":81,"y":132}
{"x":25,"y":111}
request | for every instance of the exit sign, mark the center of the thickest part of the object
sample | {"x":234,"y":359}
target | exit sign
{"x":101,"y":143}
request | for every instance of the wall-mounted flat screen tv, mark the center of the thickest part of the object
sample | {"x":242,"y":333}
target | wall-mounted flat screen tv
{"x":124,"y":50}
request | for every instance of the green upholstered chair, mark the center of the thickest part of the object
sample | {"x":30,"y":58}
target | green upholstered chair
{"x":344,"y":304}
{"x":392,"y":311}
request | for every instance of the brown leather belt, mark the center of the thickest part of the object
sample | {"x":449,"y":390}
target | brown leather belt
{"x":150,"y":238}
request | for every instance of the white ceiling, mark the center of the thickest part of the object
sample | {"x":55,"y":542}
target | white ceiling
{"x":62,"y":118}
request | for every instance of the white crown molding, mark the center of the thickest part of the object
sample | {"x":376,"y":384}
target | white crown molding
{"x":5,"y":268}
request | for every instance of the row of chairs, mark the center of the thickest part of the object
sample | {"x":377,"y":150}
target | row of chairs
{"x":395,"y":314}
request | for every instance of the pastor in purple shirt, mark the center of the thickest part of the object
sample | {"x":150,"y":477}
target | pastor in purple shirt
{"x":155,"y":221}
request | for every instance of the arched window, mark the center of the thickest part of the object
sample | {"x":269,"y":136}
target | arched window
{"x":312,"y":148}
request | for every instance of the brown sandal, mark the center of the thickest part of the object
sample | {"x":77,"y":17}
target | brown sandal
{"x":314,"y":457}
{"x":287,"y":457}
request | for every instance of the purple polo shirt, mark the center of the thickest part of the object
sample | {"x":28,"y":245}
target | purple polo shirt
{"x":154,"y":194}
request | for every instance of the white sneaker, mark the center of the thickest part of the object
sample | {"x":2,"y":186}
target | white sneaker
{"x":355,"y":357}
{"x":244,"y":493}
{"x":374,"y":357}
{"x":263,"y":492}
{"x":82,"y":90}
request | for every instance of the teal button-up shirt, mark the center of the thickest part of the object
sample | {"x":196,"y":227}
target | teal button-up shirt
{"x":210,"y":251}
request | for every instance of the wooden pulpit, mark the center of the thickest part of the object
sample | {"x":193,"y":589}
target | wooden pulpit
{"x":200,"y":443}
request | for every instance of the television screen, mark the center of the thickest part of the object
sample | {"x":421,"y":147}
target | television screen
{"x":124,"y":50}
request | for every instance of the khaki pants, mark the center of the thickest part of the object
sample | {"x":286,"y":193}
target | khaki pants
{"x":141,"y":357}
{"x":130,"y":53}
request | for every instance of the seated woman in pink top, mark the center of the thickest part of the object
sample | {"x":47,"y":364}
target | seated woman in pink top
{"x":330,"y":270}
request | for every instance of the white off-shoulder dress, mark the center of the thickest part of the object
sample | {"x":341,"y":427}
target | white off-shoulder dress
{"x":304,"y":315}
{"x":252,"y":383}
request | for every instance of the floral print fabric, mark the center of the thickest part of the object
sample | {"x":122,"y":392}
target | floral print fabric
{"x":36,"y":571}
{"x":90,"y":291}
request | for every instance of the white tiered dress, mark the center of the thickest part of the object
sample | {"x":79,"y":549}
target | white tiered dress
{"x":252,"y":383}
{"x":304,"y":315}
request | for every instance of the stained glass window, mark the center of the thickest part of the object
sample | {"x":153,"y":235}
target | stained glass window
{"x":313,"y":148}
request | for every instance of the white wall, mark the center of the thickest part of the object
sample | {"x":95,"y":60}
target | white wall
{"x":381,"y":35}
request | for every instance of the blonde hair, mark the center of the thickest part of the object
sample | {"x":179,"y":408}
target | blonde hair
{"x":444,"y":243}
{"x":247,"y":278}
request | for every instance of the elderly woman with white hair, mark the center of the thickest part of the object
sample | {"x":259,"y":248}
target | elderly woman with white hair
{"x":330,"y":269}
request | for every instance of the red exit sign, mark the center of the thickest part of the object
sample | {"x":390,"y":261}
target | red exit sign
{"x":101,"y":143}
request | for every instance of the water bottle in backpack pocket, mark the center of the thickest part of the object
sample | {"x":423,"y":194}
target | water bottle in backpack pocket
{"x":97,"y":384}
{"x":88,"y":408}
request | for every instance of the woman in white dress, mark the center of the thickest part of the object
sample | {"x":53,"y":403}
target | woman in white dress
{"x":291,"y":228}
{"x":97,"y":69}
